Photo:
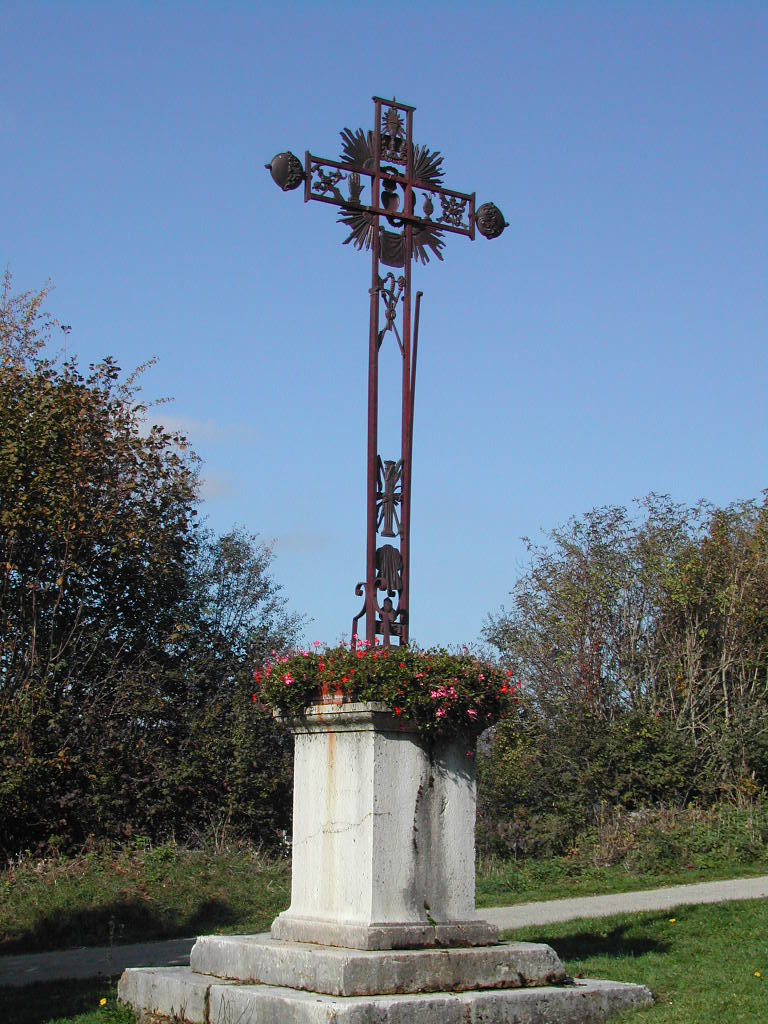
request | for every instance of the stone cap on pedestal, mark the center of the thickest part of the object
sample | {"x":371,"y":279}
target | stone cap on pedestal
{"x":352,"y":716}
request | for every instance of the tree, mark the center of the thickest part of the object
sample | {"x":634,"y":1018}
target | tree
{"x":645,"y":634}
{"x":126,"y":633}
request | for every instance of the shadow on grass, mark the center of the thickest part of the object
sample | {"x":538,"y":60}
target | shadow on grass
{"x":116,"y":923}
{"x":614,"y":942}
{"x":38,"y":1003}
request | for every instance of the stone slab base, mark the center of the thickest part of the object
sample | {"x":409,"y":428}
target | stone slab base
{"x":354,"y":972}
{"x":161,"y":993}
{"x":288,"y":927}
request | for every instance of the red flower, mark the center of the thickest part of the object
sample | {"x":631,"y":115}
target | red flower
{"x":398,"y":711}
{"x":255,"y":699}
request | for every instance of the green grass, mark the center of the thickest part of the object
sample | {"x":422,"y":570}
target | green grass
{"x":137,"y":895}
{"x":504,"y":883}
{"x":75,"y":1002}
{"x":623,"y":852}
{"x":168,"y":891}
{"x":700,"y":969}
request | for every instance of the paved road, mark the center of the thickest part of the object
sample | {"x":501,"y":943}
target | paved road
{"x":524,"y":914}
{"x":107,"y":961}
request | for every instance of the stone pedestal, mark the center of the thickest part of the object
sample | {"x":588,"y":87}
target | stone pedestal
{"x":382,"y":924}
{"x":383,"y":836}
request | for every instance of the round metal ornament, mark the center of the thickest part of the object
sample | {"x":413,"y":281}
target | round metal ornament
{"x":490,"y":220}
{"x":286,"y":170}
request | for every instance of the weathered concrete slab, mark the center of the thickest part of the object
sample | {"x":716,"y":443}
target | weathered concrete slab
{"x":585,"y":1002}
{"x":166,"y":992}
{"x":353,"y":972}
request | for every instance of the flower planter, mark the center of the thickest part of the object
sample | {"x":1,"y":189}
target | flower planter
{"x":383,"y":835}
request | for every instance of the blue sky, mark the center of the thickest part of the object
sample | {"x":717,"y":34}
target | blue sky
{"x":612,"y":342}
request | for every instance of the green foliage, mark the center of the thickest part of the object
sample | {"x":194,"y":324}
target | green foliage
{"x":137,"y":893}
{"x":127,"y":634}
{"x":544,"y":778}
{"x":443,"y":694}
{"x":642,"y":645}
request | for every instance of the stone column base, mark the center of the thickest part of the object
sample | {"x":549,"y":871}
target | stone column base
{"x":167,"y":994}
{"x":384,"y":935}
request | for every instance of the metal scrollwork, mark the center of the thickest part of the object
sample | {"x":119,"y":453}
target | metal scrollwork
{"x":389,"y":476}
{"x":391,"y":292}
{"x":325,"y":182}
{"x":392,"y":189}
{"x":453,"y":210}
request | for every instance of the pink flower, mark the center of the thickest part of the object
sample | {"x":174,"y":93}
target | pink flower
{"x":481,"y":677}
{"x":316,"y":643}
{"x":440,"y":712}
{"x":471,"y":712}
{"x":287,"y":678}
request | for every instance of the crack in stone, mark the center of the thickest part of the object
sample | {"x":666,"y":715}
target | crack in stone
{"x":331,"y":829}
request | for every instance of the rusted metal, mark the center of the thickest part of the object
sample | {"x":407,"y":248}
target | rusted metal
{"x":393,"y":202}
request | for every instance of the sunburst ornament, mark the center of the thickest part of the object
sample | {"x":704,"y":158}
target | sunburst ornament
{"x":393,"y":123}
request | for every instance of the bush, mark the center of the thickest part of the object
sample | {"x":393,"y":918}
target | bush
{"x":542,"y":781}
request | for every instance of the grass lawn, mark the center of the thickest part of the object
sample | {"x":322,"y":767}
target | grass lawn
{"x":136,"y":896}
{"x":169,"y":891}
{"x":701,"y":968}
{"x":700,"y":962}
{"x":503,"y":883}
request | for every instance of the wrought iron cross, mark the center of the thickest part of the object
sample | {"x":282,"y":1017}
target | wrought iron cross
{"x":383,"y":175}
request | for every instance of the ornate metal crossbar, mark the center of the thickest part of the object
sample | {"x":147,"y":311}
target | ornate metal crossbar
{"x":393,"y":202}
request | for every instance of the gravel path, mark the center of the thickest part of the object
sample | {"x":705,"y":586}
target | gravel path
{"x":108,"y":961}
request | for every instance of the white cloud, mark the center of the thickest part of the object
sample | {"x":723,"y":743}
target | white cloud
{"x":214,"y":485}
{"x":198,"y":430}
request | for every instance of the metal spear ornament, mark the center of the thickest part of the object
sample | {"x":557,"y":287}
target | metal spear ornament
{"x":392,"y":199}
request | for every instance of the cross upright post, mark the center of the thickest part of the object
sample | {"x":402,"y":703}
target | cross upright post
{"x":386,"y":177}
